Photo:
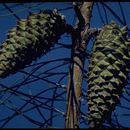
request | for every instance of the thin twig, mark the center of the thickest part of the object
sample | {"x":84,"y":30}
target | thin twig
{"x":12,"y":12}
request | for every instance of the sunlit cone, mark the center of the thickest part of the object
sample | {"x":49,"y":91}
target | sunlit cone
{"x":108,"y":72}
{"x":30,"y":39}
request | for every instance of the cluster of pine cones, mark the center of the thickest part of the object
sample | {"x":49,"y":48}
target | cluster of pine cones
{"x":108,"y":68}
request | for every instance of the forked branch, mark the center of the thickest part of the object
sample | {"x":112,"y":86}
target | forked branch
{"x":80,"y":41}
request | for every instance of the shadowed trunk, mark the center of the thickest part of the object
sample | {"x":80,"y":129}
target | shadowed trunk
{"x":76,"y":70}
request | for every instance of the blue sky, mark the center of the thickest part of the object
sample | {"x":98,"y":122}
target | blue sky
{"x":11,"y":103}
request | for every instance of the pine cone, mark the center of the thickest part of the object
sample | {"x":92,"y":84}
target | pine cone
{"x":31,"y":39}
{"x":108,"y":72}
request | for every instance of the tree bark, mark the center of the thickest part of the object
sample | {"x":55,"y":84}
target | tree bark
{"x":76,"y":71}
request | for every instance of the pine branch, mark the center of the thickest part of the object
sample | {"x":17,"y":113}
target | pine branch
{"x":77,"y":65}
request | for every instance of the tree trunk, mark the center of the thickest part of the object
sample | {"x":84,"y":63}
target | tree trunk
{"x":76,"y":72}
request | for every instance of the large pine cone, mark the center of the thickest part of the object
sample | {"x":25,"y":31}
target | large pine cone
{"x":108,"y":72}
{"x":32,"y":38}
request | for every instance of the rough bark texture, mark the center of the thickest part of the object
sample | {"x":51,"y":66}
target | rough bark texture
{"x":32,"y":38}
{"x":87,"y":11}
{"x":108,"y":73}
{"x":76,"y":72}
